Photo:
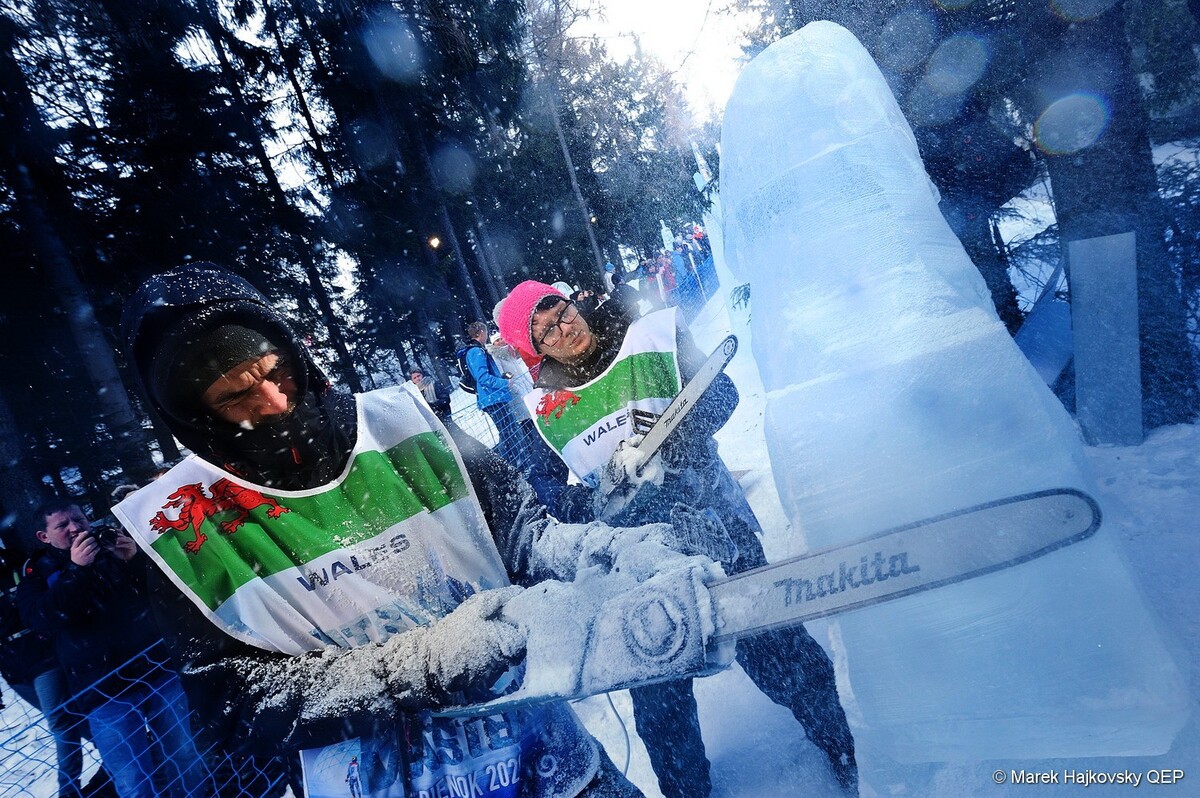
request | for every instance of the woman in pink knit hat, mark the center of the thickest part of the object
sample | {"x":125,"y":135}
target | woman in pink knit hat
{"x":601,"y":372}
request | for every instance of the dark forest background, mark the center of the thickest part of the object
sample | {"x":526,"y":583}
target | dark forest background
{"x":320,"y":148}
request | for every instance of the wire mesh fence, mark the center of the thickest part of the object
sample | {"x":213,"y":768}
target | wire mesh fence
{"x":130,"y":734}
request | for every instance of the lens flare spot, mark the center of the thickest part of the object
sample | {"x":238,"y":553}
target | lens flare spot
{"x":929,"y":108}
{"x":1071,"y":124}
{"x":394,"y":48}
{"x":956,"y":65}
{"x":453,"y":169}
{"x":370,"y":145}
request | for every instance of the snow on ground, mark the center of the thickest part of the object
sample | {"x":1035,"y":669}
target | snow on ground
{"x":27,"y":759}
{"x":1151,"y":497}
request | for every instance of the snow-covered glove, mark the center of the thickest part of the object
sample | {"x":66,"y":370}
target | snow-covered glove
{"x":702,"y":532}
{"x":623,"y":476}
{"x":691,"y":532}
{"x":472,"y":647}
{"x":607,"y":630}
{"x":659,"y":630}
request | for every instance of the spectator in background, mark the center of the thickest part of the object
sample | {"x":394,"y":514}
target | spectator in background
{"x":612,"y":278}
{"x":28,"y":664}
{"x":87,"y":593}
{"x":437,"y":396}
{"x":493,"y":395}
{"x":586,"y":301}
{"x":667,"y":281}
{"x":650,"y":289}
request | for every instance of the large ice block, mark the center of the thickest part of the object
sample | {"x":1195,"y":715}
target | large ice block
{"x":894,"y":393}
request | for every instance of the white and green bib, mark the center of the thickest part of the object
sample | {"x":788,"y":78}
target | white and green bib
{"x":584,"y":424}
{"x":394,"y":542}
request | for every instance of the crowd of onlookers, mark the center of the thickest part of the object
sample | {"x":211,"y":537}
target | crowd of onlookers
{"x":671,"y":276}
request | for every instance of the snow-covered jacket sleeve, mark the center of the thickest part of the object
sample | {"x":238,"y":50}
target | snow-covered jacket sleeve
{"x":533,"y":545}
{"x":569,"y":503}
{"x":259,"y":702}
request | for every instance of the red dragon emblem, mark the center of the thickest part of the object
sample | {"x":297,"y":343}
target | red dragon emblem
{"x":195,"y":507}
{"x":555,"y":403}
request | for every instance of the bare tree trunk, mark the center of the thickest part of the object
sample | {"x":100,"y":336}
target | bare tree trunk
{"x":19,"y":490}
{"x":290,"y":66}
{"x":464,"y":275}
{"x":485,"y":268}
{"x":431,"y":346}
{"x":1111,"y":187}
{"x":25,"y":154}
{"x":489,"y":255}
{"x":584,"y":211}
{"x":112,"y":404}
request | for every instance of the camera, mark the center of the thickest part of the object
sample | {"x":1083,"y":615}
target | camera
{"x":104,"y":533}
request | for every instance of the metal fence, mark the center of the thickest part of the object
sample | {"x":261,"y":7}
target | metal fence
{"x":155,"y":745}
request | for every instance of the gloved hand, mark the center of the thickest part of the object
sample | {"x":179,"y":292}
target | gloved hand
{"x":473,"y":646}
{"x":691,"y":532}
{"x":623,"y":476}
{"x":650,"y":618}
{"x":702,"y":532}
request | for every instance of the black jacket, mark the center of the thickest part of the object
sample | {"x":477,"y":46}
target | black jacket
{"x":252,"y":700}
{"x":98,"y":617}
{"x":24,"y":653}
{"x":173,"y":309}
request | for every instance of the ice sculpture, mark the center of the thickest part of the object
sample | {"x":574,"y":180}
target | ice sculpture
{"x":894,"y":393}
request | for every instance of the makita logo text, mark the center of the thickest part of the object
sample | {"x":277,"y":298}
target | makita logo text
{"x":867,"y":571}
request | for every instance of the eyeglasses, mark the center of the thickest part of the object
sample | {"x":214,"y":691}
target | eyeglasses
{"x":553,"y":333}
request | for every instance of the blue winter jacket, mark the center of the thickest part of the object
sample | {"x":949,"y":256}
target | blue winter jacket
{"x":491,"y":387}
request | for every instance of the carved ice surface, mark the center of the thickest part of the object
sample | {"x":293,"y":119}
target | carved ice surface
{"x":894,"y":394}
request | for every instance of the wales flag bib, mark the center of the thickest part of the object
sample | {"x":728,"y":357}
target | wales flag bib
{"x":584,"y":424}
{"x":395,"y":542}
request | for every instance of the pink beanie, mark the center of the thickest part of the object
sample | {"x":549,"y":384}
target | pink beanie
{"x":515,"y":313}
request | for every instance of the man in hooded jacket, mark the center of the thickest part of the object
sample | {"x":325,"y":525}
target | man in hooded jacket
{"x":332,"y":567}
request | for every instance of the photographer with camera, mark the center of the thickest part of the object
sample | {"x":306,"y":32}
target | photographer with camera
{"x":86,"y":591}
